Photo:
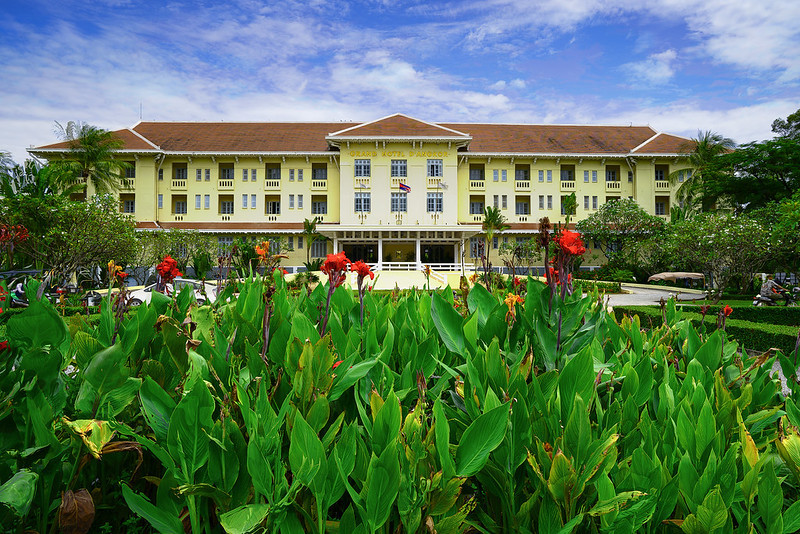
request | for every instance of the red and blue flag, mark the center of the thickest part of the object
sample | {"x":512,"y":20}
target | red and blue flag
{"x":404,"y":188}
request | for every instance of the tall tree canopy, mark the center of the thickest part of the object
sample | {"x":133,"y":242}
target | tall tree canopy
{"x":91,"y":156}
{"x":703,"y":152}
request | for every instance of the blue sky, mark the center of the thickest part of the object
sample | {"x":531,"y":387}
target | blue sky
{"x":678,"y":65}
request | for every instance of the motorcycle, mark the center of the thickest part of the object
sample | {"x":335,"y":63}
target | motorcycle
{"x":790,"y":298}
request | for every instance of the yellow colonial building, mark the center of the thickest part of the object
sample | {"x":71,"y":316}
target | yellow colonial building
{"x":397,"y":192}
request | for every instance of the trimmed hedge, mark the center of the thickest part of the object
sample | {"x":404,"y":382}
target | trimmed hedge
{"x":65,"y":311}
{"x":762,"y":314}
{"x":751,"y":335}
{"x":587,"y":286}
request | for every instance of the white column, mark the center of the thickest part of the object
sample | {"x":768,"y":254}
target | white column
{"x":379,"y":266}
{"x":419,"y":254}
{"x":335,"y":245}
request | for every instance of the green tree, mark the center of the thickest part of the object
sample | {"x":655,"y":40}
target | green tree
{"x":493,"y":222}
{"x":32,"y":179}
{"x":703,"y":152}
{"x":728,"y":247}
{"x":621,"y":229}
{"x":64,"y":235}
{"x":311,"y":236}
{"x":788,"y":127}
{"x":570,"y":207}
{"x":91,"y":156}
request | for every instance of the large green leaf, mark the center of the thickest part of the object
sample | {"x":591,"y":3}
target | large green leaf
{"x":480,"y":438}
{"x":382,"y":486}
{"x":189,"y":429}
{"x":157,"y":407}
{"x":106,"y":370}
{"x":347,"y":376}
{"x":387,"y":424}
{"x":18,"y":491}
{"x":577,"y":378}
{"x":448,"y":322}
{"x":244,"y":519}
{"x":442,"y":429}
{"x":38,"y":325}
{"x":306,"y":454}
{"x":161,"y":520}
{"x":770,"y":500}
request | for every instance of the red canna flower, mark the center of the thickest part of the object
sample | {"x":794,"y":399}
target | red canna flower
{"x":362,"y":269}
{"x":336,"y":364}
{"x":571,"y":243}
{"x":335,"y":267}
{"x":727,"y":310}
{"x":3,"y":344}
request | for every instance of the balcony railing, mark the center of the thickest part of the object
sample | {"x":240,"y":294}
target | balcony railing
{"x":224,"y":185}
{"x":128,"y":184}
{"x":662,"y":185}
{"x":179,"y":184}
{"x":613,"y":186}
{"x":522,"y":218}
{"x":434,"y":183}
{"x":568,"y":185}
{"x":477,"y":218}
{"x":272,"y":217}
{"x":319,"y":185}
{"x":522,"y":185}
{"x":477,"y":185}
{"x":361,"y":182}
{"x":224,"y":217}
{"x":272,"y":185}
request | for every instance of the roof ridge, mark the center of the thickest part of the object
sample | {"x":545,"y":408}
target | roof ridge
{"x":362,"y":125}
{"x":143,"y":138}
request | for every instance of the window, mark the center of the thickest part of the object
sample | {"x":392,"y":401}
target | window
{"x":299,"y":175}
{"x":130,"y":171}
{"x":319,"y":249}
{"x":435,"y":168}
{"x":523,"y":208}
{"x":661,"y":208}
{"x":594,"y":177}
{"x":226,"y":173}
{"x":586,"y":202}
{"x":273,"y":207}
{"x":586,"y":177}
{"x":299,"y":201}
{"x":224,"y":244}
{"x":475,"y":206}
{"x":291,"y":197}
{"x":399,"y":202}
{"x":475,"y":247}
{"x":435,"y":202}
{"x":160,"y":174}
{"x":363,"y":201}
{"x":244,"y":201}
{"x":541,"y":176}
{"x":549,"y":202}
{"x":208,"y":175}
{"x":680,"y":176}
{"x":160,"y":201}
{"x":128,"y":206}
{"x":496,"y":175}
{"x":319,"y":171}
{"x":522,"y":173}
{"x":611,"y":175}
{"x":549,"y":176}
{"x":319,"y":207}
{"x":541,"y":202}
{"x":253,"y":201}
{"x":180,"y":173}
{"x":496,"y":201}
{"x":199,"y":175}
{"x":362,"y":168}
{"x":197,"y":201}
{"x":290,"y":242}
{"x":567,"y":175}
{"x":505,"y":202}
{"x":180,"y":207}
{"x":495,"y":242}
{"x":505,"y":240}
{"x":659,"y":174}
{"x":273,"y":172}
{"x":630,"y":177}
{"x":226,"y":207}
{"x":594,"y":202}
{"x":244,"y":175}
{"x":207,"y":201}
{"x":504,"y":175}
{"x":291,"y":179}
{"x":299,"y":241}
{"x":253,"y":174}
{"x":476,"y":172}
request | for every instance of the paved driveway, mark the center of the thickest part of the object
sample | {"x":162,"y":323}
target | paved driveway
{"x":640,"y":295}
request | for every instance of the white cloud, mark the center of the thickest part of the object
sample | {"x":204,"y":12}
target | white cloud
{"x":656,"y":69}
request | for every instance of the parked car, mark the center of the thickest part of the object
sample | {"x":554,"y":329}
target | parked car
{"x":140,"y":296}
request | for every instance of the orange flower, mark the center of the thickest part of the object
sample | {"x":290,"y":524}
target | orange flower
{"x":335,"y":267}
{"x":571,"y":243}
{"x":727,"y":310}
{"x":362,"y":269}
{"x":511,"y":301}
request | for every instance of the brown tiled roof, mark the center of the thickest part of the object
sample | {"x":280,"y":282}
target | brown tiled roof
{"x":398,"y":125}
{"x":239,"y":136}
{"x":553,"y":139}
{"x":131,"y":142}
{"x":665,"y":143}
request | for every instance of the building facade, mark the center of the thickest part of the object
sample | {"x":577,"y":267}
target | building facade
{"x":397,"y":192}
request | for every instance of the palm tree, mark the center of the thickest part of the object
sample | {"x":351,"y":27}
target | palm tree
{"x":702,"y":151}
{"x":32,"y":179}
{"x":493,"y":221}
{"x":91,"y":156}
{"x":311,"y":236}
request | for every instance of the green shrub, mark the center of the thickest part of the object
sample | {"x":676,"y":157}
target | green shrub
{"x":762,"y":314}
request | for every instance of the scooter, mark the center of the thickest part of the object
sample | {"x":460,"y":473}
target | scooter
{"x":790,"y":298}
